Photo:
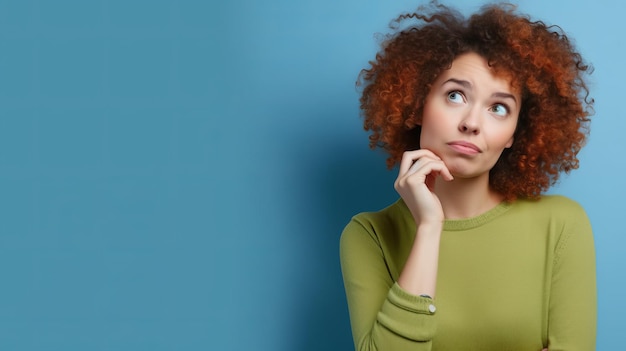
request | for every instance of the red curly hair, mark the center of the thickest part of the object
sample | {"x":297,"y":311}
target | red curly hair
{"x":540,"y":60}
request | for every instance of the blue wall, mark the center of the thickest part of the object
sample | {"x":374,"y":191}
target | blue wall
{"x":174,"y":175}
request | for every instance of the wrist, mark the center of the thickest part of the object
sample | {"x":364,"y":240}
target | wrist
{"x":430,"y":227}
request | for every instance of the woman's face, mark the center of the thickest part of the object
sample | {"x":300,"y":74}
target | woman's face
{"x":469,"y":117}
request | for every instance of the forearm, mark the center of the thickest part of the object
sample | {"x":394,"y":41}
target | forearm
{"x":383,"y":315}
{"x":419,"y":276}
{"x":405,"y":320}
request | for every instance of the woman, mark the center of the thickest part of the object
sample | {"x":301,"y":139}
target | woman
{"x":481,"y":114}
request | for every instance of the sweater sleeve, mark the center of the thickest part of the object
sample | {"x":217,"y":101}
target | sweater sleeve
{"x":573,"y":307}
{"x":382,"y":315}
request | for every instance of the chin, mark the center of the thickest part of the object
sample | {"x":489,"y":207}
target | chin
{"x":466,"y":168}
{"x":466,"y":173}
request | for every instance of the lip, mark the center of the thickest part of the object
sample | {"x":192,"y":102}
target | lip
{"x":464,"y":147}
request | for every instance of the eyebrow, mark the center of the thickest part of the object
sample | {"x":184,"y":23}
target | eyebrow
{"x":464,"y":83}
{"x":468,"y":85}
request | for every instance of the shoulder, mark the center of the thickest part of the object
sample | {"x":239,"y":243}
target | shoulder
{"x":556,"y":216}
{"x":383,"y":236}
{"x":563,"y":217}
{"x":552,"y":206}
{"x":382,"y":217}
{"x":560,"y":202}
{"x":394,"y":219}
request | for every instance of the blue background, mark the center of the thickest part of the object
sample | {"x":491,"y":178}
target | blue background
{"x":174,"y":175}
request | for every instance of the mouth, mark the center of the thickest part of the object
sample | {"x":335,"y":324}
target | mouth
{"x":465,"y":147}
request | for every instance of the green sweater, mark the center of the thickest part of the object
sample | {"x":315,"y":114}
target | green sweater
{"x":518,"y":277}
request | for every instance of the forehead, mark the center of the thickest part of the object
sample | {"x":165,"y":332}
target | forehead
{"x":473,"y":68}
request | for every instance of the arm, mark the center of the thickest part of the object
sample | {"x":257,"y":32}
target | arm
{"x":416,"y":179}
{"x":386,"y":315}
{"x":382,"y":315}
{"x":572,"y":310}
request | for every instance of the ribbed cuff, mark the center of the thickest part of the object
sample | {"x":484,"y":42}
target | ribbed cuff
{"x":410,"y":316}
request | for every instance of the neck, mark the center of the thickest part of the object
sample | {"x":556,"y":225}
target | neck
{"x":465,"y":198}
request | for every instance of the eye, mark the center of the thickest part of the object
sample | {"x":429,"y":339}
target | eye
{"x":456,"y":97}
{"x":500,"y":109}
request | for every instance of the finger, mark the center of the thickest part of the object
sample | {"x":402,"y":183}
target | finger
{"x":410,"y":157}
{"x":427,"y":170}
{"x":445,"y":172}
{"x":414,"y":161}
{"x":425,"y":174}
{"x":420,"y":169}
{"x":418,"y":164}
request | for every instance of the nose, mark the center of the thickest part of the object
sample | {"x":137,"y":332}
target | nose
{"x":470,"y":122}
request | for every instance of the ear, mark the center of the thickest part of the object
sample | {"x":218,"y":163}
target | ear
{"x":509,"y":143}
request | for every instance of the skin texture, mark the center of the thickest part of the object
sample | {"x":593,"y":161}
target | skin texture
{"x":470,"y":117}
{"x":468,"y":135}
{"x":468,"y":103}
{"x":538,"y":58}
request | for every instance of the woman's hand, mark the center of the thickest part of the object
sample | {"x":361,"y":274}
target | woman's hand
{"x":416,"y":181}
{"x":415,"y":184}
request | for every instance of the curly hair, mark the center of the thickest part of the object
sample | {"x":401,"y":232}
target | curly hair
{"x":540,"y":60}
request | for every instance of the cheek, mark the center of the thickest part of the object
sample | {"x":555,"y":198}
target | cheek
{"x":425,"y":136}
{"x":500,"y":133}
{"x":432,"y":134}
{"x":503,"y":139}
